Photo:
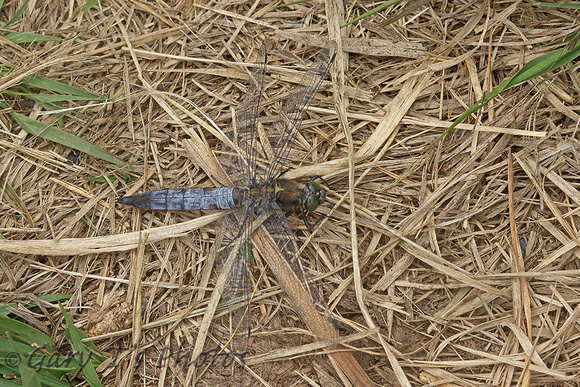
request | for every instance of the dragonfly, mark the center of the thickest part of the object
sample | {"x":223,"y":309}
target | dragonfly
{"x":254,"y":159}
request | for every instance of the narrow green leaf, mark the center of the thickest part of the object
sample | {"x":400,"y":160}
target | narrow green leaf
{"x":9,"y":383}
{"x":51,"y":298}
{"x":27,"y":373}
{"x":57,"y":365}
{"x":14,"y":200}
{"x":563,"y":5}
{"x":50,"y":106}
{"x":49,"y":370}
{"x":407,"y":10}
{"x":533,"y":69}
{"x":60,"y":87}
{"x":542,"y":64}
{"x":100,"y":179}
{"x":60,"y":136}
{"x":91,"y":226}
{"x":376,"y":9}
{"x":49,"y":98}
{"x":292,"y":3}
{"x":5,"y":70}
{"x":16,"y":15}
{"x":89,"y":4}
{"x":25,"y":333}
{"x":81,"y":353}
{"x":28,"y":37}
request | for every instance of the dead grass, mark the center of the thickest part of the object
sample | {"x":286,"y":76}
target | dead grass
{"x":455,"y":264}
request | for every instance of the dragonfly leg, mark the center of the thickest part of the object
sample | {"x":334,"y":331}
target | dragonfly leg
{"x":283,"y":172}
{"x":317,"y":177}
{"x":307,"y":223}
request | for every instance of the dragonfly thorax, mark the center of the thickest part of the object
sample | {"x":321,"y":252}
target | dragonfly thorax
{"x":295,"y":197}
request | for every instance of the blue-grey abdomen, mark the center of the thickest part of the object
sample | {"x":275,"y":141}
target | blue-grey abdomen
{"x":188,"y":199}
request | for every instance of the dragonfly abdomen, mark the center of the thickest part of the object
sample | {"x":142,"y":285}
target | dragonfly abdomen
{"x":188,"y":199}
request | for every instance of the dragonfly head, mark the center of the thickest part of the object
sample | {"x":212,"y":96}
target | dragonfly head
{"x":316,"y":196}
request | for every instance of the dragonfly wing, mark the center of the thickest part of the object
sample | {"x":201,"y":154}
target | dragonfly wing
{"x":274,"y":220}
{"x":232,"y":247}
{"x":283,"y":131}
{"x":239,"y":154}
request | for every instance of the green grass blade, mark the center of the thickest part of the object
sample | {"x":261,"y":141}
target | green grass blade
{"x":542,"y":64}
{"x":81,"y":352}
{"x":60,"y":87}
{"x":28,"y":37}
{"x":16,"y":15}
{"x":407,"y":10}
{"x":57,"y":135}
{"x":376,"y":9}
{"x":91,"y":226}
{"x":49,"y":98}
{"x":51,"y":298}
{"x":533,"y":69}
{"x":292,"y":3}
{"x":49,"y":106}
{"x":49,"y":366}
{"x":9,"y":383}
{"x":27,"y":373}
{"x":5,"y":70}
{"x":563,"y":5}
{"x":25,"y":334}
{"x":88,"y":5}
{"x":108,"y":179}
{"x":64,"y":93}
{"x":14,"y":200}
{"x":28,"y":352}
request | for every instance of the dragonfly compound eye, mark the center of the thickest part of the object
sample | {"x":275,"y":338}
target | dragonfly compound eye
{"x":313,"y":186}
{"x":312,"y":202}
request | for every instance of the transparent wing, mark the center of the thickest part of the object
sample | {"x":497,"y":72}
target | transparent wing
{"x":275,"y":222}
{"x":238,"y":158}
{"x":283,"y":131}
{"x":232,"y":243}
{"x":233,"y":230}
